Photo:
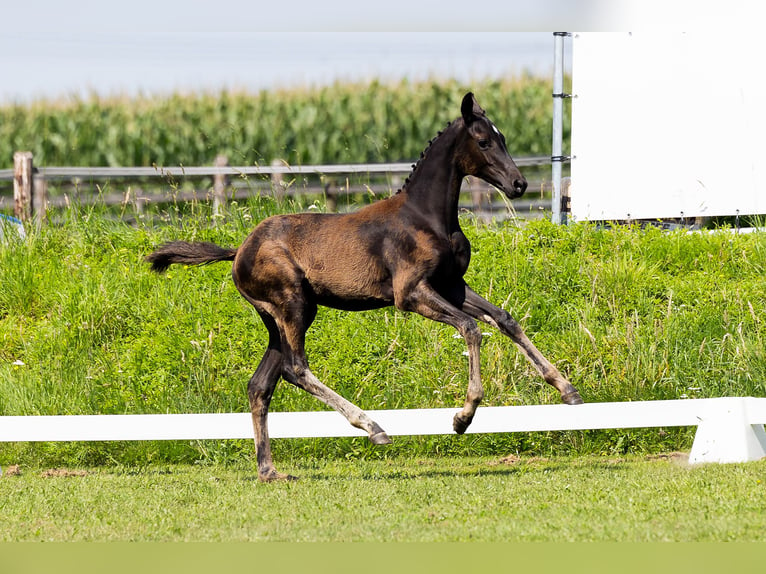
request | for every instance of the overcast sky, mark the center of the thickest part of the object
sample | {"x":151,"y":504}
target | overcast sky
{"x":60,"y":64}
{"x":55,"y":48}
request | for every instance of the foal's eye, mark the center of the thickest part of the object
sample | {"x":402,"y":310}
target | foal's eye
{"x":484,"y":144}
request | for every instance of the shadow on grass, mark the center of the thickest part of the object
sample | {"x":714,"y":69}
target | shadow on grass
{"x":429,"y":469}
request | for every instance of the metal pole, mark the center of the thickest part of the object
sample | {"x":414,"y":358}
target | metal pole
{"x":557,"y":216}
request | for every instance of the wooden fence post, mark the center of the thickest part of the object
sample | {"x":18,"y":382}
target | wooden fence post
{"x":39,"y":200}
{"x":219,"y":186}
{"x":278,"y":186}
{"x":480,"y":195}
{"x":331,"y":195}
{"x":22,"y":185}
{"x":566,"y":198}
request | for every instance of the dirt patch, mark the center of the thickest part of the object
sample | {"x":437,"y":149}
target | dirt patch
{"x":12,"y":470}
{"x":513,"y":459}
{"x":510,"y":459}
{"x":672,"y":456}
{"x":65,"y":472}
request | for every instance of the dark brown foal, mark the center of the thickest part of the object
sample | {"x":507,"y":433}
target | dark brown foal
{"x":407,"y":250}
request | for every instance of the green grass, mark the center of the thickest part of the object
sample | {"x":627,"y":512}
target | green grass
{"x":627,"y":314}
{"x":627,"y":499}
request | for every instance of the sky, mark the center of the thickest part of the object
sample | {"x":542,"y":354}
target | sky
{"x":52,"y":49}
{"x":62,"y":65}
{"x":55,"y":49}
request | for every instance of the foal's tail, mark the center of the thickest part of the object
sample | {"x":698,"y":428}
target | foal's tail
{"x":189,"y":254}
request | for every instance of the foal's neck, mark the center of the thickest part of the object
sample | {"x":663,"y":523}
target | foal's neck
{"x":434,"y":184}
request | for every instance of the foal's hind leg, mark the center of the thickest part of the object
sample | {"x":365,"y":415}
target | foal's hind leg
{"x":260,"y":389}
{"x":296,"y":371}
{"x":485,"y":311}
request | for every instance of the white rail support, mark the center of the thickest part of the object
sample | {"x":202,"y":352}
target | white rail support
{"x":729,"y":429}
{"x":732,"y":433}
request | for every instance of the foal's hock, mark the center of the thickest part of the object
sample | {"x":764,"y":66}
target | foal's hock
{"x":407,"y":250}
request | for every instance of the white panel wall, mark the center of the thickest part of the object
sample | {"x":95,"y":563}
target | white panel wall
{"x":668,"y":125}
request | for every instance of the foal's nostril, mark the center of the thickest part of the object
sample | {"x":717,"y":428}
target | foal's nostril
{"x":520,"y":185}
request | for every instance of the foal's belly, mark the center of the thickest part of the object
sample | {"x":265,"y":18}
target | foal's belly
{"x":350,"y":289}
{"x":345,"y":304}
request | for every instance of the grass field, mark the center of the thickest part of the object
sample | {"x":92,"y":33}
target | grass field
{"x":414,"y":499}
{"x":626,"y":313}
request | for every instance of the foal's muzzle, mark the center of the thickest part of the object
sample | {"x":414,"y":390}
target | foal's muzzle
{"x":519,"y":187}
{"x":516,"y":187}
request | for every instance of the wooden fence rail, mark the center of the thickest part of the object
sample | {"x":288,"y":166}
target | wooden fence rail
{"x":31,"y":199}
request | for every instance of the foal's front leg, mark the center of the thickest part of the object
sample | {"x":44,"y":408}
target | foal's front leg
{"x":485,"y":311}
{"x":424,"y":300}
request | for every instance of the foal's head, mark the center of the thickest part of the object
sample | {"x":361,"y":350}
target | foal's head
{"x":482,"y":152}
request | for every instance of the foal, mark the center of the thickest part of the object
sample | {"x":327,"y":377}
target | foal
{"x":407,"y":250}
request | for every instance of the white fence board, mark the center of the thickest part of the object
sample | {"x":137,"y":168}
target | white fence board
{"x":728,"y":418}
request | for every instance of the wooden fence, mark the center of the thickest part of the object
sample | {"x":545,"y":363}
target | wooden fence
{"x":31,"y":199}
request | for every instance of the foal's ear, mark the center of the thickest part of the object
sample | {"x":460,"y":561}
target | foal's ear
{"x":470,"y":108}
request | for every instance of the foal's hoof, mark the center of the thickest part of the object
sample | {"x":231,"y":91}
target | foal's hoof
{"x":460,"y":423}
{"x":380,"y":438}
{"x":572,"y":397}
{"x":274,"y":476}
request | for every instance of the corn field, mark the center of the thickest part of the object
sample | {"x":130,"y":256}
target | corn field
{"x":341,"y":123}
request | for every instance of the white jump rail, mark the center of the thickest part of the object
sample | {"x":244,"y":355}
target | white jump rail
{"x":728,"y":429}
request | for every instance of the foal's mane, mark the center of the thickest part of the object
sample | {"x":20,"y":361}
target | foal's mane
{"x":423,"y":155}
